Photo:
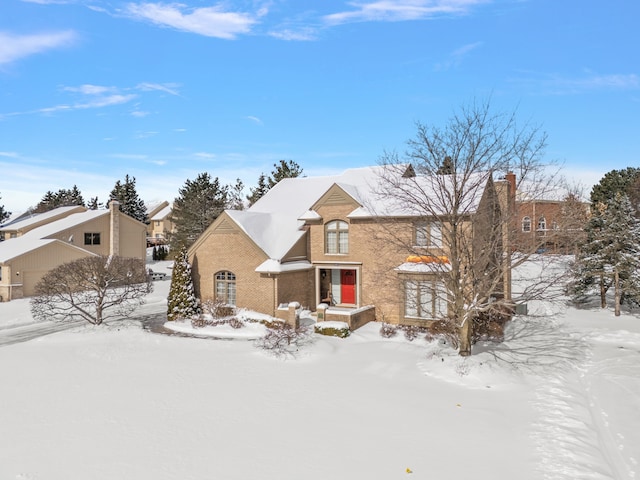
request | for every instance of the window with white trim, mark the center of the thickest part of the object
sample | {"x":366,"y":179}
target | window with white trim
{"x":226,"y":287}
{"x":542,"y":223}
{"x":428,"y":234}
{"x":526,"y":224}
{"x":425,"y":299}
{"x":337,"y":237}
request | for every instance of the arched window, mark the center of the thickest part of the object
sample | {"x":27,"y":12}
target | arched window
{"x":226,"y":287}
{"x":526,"y":224}
{"x":337,"y":237}
{"x":542,"y":224}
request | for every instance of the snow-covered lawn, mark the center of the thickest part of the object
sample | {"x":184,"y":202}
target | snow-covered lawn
{"x":560,"y":399}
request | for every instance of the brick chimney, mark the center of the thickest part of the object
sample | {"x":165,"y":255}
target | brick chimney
{"x":511,"y":178}
{"x":114,"y":227}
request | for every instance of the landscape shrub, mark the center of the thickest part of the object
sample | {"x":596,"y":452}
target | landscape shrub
{"x":443,"y":330}
{"x":340,"y":332}
{"x":218,"y":309}
{"x":388,"y":331}
{"x":284,"y":340}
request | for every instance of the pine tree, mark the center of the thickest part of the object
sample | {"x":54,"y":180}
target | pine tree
{"x":258,"y":192}
{"x":617,"y":181}
{"x":283,"y":169}
{"x":94,"y":204}
{"x":182,"y":302}
{"x":610,"y":258}
{"x":61,"y":198}
{"x":200,"y":202}
{"x":3,"y":213}
{"x":130,"y":202}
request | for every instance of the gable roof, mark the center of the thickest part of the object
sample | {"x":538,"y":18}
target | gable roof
{"x":33,"y":220}
{"x":161,"y":214}
{"x":274,"y":222}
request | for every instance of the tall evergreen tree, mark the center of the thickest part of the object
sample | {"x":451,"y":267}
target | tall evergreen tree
{"x":61,"y":198}
{"x":94,"y":204}
{"x":283,"y":169}
{"x":199,"y":203}
{"x":182,"y":302}
{"x":130,"y":202}
{"x":3,"y":213}
{"x":258,"y":192}
{"x":611,"y":255}
{"x":618,"y":181}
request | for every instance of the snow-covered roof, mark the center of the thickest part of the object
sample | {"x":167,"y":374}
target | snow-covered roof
{"x":39,"y":237}
{"x":63,"y":224}
{"x":162,"y":214}
{"x":274,"y":266}
{"x":36,"y":218}
{"x":274,"y":222}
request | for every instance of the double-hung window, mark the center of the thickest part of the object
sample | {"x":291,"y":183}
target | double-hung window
{"x":425,"y":299}
{"x":337,"y":237}
{"x":428,"y":234}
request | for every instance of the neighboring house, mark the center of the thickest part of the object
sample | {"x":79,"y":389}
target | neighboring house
{"x":553,"y":223}
{"x":320,"y":241}
{"x":25,"y":223}
{"x":159,"y":224}
{"x":50,"y":239}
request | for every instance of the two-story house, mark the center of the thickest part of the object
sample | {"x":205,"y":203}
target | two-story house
{"x":42,"y":242}
{"x":333,"y":241}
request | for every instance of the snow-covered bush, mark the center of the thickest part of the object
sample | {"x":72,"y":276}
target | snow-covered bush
{"x":388,"y":331}
{"x":284,"y":340}
{"x":218,"y":309}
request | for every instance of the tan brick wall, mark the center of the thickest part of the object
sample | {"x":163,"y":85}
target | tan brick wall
{"x":296,"y":287}
{"x":233,"y":252}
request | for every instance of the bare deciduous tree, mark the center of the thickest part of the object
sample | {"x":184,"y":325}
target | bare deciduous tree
{"x":470,"y":217}
{"x":94,"y":289}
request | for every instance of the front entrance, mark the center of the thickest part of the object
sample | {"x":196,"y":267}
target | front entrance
{"x":348,"y":286}
{"x":338,"y":286}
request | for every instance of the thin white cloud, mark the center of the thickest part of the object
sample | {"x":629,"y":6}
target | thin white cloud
{"x":254,"y":119}
{"x":89,"y":89}
{"x":208,"y":21}
{"x":204,"y":155}
{"x":14,"y":47}
{"x":305,"y":34}
{"x":169,"y":88}
{"x":400,"y":10}
{"x":457,"y":56}
{"x":9,"y":154}
{"x":129,"y":156}
{"x":143,"y":135}
{"x":48,"y":2}
{"x":90,"y":96}
{"x":555,"y":84}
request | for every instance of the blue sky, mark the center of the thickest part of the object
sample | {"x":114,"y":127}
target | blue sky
{"x":92,"y":90}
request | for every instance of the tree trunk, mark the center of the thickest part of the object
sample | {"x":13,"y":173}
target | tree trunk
{"x":603,"y":293}
{"x":465,"y":333}
{"x":618,"y":292}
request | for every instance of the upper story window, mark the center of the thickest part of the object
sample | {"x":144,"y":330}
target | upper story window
{"x":92,"y":238}
{"x":157,"y":223}
{"x":226,"y":287}
{"x":526,"y":224}
{"x":428,"y":234}
{"x":542,"y":223}
{"x":0,"y":273}
{"x":337,"y":237}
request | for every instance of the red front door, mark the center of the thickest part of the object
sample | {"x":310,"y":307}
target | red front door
{"x":348,"y":286}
